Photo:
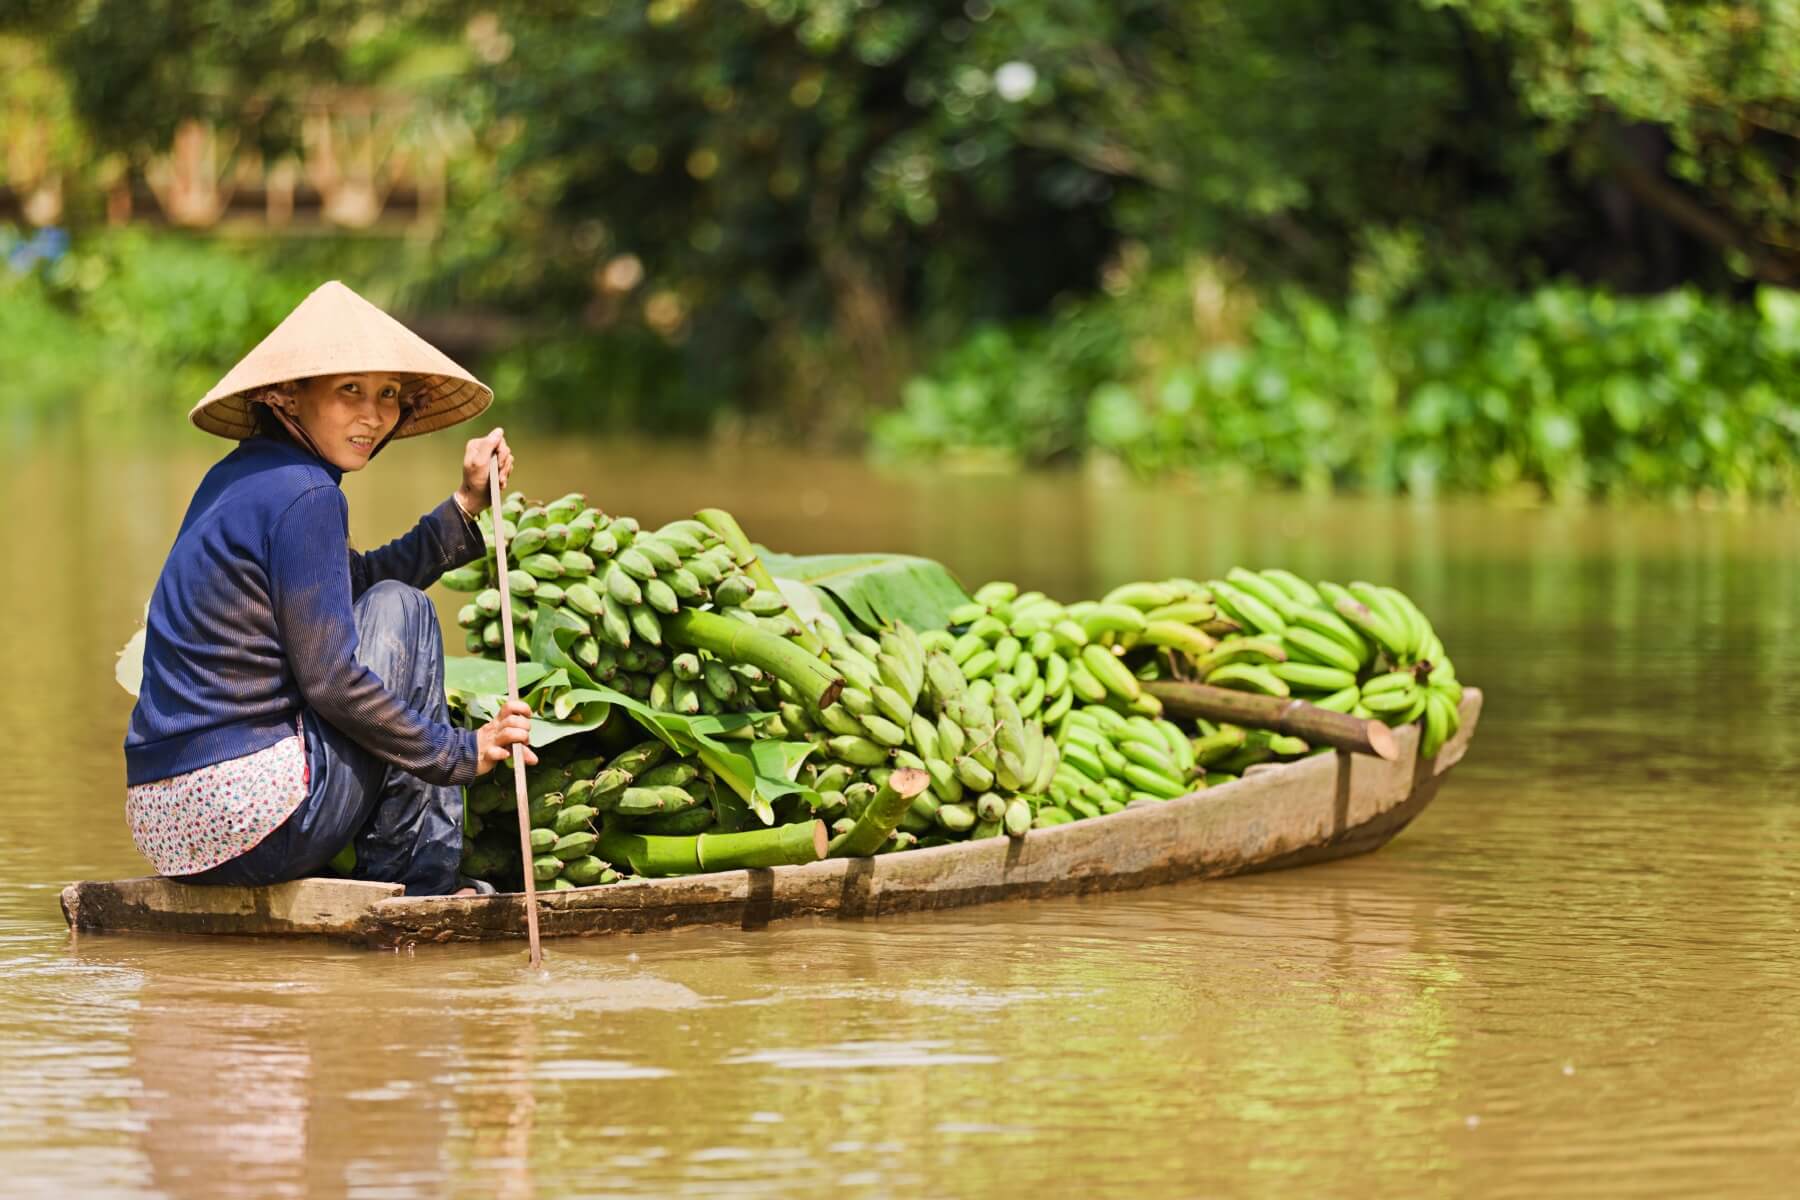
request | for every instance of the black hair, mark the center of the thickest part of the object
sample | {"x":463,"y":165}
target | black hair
{"x":268,"y":424}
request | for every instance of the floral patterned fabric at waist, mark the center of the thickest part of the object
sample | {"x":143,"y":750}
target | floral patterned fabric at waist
{"x":193,"y":822}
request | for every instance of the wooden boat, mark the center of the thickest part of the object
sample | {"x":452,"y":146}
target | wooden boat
{"x":1316,"y":809}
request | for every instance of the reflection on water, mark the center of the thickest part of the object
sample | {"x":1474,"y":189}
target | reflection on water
{"x":1575,"y":973}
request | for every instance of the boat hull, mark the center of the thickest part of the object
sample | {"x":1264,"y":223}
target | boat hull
{"x":1320,"y":808}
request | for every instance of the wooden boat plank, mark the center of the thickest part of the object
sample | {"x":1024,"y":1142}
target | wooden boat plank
{"x":152,"y":904}
{"x":1313,"y":810}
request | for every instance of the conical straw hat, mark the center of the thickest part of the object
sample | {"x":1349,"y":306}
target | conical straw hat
{"x":334,"y":331}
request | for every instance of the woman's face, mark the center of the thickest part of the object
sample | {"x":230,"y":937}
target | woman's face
{"x":347,"y":416}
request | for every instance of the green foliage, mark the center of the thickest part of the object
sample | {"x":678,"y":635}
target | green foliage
{"x":134,"y":327}
{"x":1564,"y":391}
{"x":1718,"y":79}
{"x":614,"y":379}
{"x":137,"y":68}
{"x":818,"y":164}
{"x":876,"y":589}
{"x":895,"y":171}
{"x":756,"y":203}
{"x":1007,"y":390}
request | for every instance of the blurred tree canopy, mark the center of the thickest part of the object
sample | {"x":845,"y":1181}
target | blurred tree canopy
{"x":1691,"y":108}
{"x":137,"y":68}
{"x":777,"y":187}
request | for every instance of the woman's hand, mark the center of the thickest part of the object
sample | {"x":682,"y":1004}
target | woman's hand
{"x":478,"y":456}
{"x":495,"y":740}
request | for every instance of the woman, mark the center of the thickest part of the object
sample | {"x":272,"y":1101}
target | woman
{"x":293,"y":691}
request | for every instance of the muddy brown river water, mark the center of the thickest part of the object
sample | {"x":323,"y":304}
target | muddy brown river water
{"x":1577,"y":974}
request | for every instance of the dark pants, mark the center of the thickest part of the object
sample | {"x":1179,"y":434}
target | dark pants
{"x":406,"y":830}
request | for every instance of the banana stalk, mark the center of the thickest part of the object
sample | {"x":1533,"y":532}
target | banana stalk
{"x":879,"y":820}
{"x":738,"y":642}
{"x":732,"y":534}
{"x":1295,"y":717}
{"x":650,"y":855}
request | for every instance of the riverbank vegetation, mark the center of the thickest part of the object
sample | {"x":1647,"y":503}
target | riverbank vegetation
{"x":1432,"y":244}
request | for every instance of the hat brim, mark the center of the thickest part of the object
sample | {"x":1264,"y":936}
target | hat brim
{"x":434,"y":402}
{"x":334,"y":331}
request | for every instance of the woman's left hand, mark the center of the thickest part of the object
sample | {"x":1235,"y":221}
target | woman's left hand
{"x":478,"y":456}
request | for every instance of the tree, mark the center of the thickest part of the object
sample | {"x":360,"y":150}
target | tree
{"x":1714,"y":84}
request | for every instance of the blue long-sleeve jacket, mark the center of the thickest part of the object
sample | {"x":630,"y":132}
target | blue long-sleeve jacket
{"x":251,"y":622}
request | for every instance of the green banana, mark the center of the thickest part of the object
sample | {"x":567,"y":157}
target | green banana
{"x":1253,"y":651}
{"x":575,"y":563}
{"x":1111,"y":673}
{"x":661,"y":597}
{"x":980,"y":665}
{"x":1143,"y":596}
{"x":1387,"y":615}
{"x":1111,"y":619}
{"x":470,"y":578}
{"x":1184,"y":612}
{"x":1218,"y":745}
{"x":1327,"y":623}
{"x":999,"y":591}
{"x":1308,"y":645}
{"x":1314,"y":677}
{"x":1156,"y":783}
{"x":1341,"y":701}
{"x":1298,"y":590}
{"x":659,"y":553}
{"x":574,"y":845}
{"x":1265,"y":590}
{"x":765,"y":602}
{"x":1392,"y":702}
{"x":1441,"y":721}
{"x":857,"y":750}
{"x":732,"y":591}
{"x":1246,"y":609}
{"x":882,"y":730}
{"x":1173,"y":635}
{"x":1365,"y":621}
{"x":951,"y":738}
{"x":1017,"y":818}
{"x":645,"y":624}
{"x":1389,"y":682}
{"x":1248,"y":678}
{"x":615,"y":622}
{"x":975,"y":775}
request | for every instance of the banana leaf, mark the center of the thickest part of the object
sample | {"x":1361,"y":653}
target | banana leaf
{"x":758,"y":774}
{"x":874,"y":590}
{"x":484,"y":676}
{"x":478,"y":685}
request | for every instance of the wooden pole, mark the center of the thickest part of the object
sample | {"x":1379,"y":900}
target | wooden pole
{"x":1320,"y":726}
{"x":512,"y":693}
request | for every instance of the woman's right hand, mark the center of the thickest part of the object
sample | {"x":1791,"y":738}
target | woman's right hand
{"x":495,"y":740}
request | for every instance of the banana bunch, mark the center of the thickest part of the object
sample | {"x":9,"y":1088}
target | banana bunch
{"x":1224,"y":751}
{"x":1111,"y":760}
{"x":1050,"y":657}
{"x":907,"y":706}
{"x":616,"y":583}
{"x":1361,"y":648}
{"x":643,"y":789}
{"x":1401,"y":697}
{"x":1291,"y":642}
